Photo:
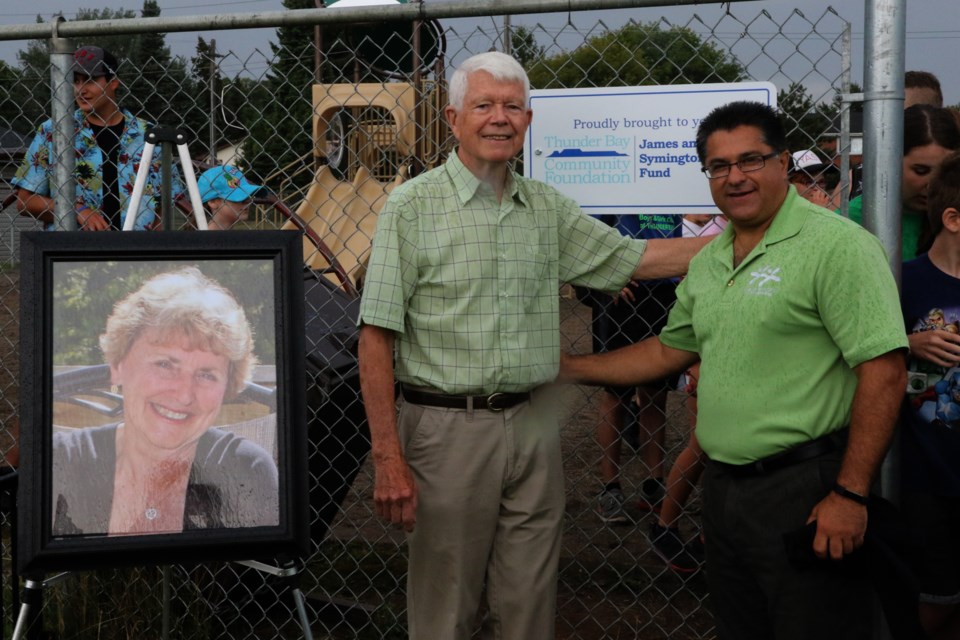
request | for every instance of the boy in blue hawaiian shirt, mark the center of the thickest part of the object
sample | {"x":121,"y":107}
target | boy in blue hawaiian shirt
{"x":109,"y":144}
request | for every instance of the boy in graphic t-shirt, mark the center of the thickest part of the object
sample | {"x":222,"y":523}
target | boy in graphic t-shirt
{"x":931,"y":429}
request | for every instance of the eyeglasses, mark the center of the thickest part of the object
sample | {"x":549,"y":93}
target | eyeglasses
{"x":807,"y":181}
{"x":746,"y":165}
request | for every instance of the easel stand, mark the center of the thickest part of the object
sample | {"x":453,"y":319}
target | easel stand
{"x":167,"y":137}
{"x":32,"y":603}
{"x":288,"y":570}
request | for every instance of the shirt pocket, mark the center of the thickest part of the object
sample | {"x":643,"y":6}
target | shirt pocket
{"x":530,"y":261}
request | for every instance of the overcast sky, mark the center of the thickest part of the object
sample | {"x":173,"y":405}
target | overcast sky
{"x":931,"y":40}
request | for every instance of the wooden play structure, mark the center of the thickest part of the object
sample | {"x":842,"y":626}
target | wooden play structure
{"x":368,"y":138}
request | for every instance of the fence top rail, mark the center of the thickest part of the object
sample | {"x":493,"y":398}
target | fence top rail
{"x":306,"y":17}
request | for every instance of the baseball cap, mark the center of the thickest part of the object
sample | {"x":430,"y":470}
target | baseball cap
{"x":809,"y":162}
{"x":94,"y":62}
{"x":225,"y":182}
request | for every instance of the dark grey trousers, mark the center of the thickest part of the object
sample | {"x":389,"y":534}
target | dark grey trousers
{"x":755,"y":591}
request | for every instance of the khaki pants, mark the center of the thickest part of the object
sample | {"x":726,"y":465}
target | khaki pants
{"x":490,"y":507}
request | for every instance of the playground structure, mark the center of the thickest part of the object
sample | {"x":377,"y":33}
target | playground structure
{"x":368,"y":138}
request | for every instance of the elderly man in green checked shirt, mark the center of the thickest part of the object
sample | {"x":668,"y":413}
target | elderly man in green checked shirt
{"x":461,"y":294}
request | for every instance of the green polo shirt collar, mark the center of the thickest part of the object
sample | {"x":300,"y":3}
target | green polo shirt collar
{"x":787,"y":223}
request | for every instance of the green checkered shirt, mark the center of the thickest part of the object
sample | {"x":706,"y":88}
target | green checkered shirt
{"x":470,"y":285}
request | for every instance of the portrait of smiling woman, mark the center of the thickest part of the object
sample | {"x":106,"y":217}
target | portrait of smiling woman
{"x":177,"y":347}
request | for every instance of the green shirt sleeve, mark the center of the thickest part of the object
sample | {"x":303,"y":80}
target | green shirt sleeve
{"x":391,"y":275}
{"x":592,"y":254}
{"x":861,"y":312}
{"x":679,"y":334}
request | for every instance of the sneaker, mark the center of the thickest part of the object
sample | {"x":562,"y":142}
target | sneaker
{"x":651,"y":495}
{"x":668,"y":545}
{"x":610,"y":506}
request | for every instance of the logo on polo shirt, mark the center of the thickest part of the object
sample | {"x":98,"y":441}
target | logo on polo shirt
{"x":764,"y":281}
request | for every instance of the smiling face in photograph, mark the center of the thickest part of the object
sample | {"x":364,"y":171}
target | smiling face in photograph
{"x":171,"y":393}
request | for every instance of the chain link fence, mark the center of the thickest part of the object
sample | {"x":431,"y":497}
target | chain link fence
{"x":329,"y":120}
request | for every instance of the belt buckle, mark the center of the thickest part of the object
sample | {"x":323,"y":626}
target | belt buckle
{"x":492,"y":400}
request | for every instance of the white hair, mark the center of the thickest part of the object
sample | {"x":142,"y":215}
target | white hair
{"x":502,"y":67}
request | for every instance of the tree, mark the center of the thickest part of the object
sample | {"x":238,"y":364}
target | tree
{"x":804,"y":119}
{"x":524,"y":46}
{"x":637,"y":54}
{"x":237,"y":101}
{"x":157,"y":82}
{"x":856,"y":107}
{"x":197,"y":118}
{"x":239,"y":106}
{"x":85,"y":297}
{"x":281,"y":134}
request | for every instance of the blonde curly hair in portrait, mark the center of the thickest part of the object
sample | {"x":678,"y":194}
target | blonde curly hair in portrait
{"x":184,"y":307}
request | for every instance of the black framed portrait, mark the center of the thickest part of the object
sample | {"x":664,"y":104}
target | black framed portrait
{"x":162,"y":399}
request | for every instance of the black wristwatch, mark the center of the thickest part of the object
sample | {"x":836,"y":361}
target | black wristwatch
{"x":842,"y":491}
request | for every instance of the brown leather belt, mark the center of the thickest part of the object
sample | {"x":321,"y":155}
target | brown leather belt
{"x":794,"y":455}
{"x":493,"y":402}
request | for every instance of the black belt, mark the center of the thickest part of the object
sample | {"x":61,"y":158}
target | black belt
{"x":794,"y":455}
{"x":493,"y":402}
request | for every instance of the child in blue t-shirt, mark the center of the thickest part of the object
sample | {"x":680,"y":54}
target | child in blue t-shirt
{"x":930,"y":436}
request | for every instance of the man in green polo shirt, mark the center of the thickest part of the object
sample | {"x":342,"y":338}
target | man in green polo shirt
{"x":793,"y":314}
{"x":462,"y":295}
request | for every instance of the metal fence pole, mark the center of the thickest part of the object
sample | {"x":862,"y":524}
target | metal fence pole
{"x":845,"y":124}
{"x":61,"y":86}
{"x":885,"y":28}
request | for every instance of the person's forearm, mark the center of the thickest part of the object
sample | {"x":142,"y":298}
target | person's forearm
{"x":394,"y":487}
{"x":876,"y":404}
{"x":667,"y":258}
{"x":639,"y":363}
{"x":375,"y":353}
{"x":35,"y":205}
{"x":43,"y":209}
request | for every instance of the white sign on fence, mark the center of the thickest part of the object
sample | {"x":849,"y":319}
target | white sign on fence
{"x":628,"y":149}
